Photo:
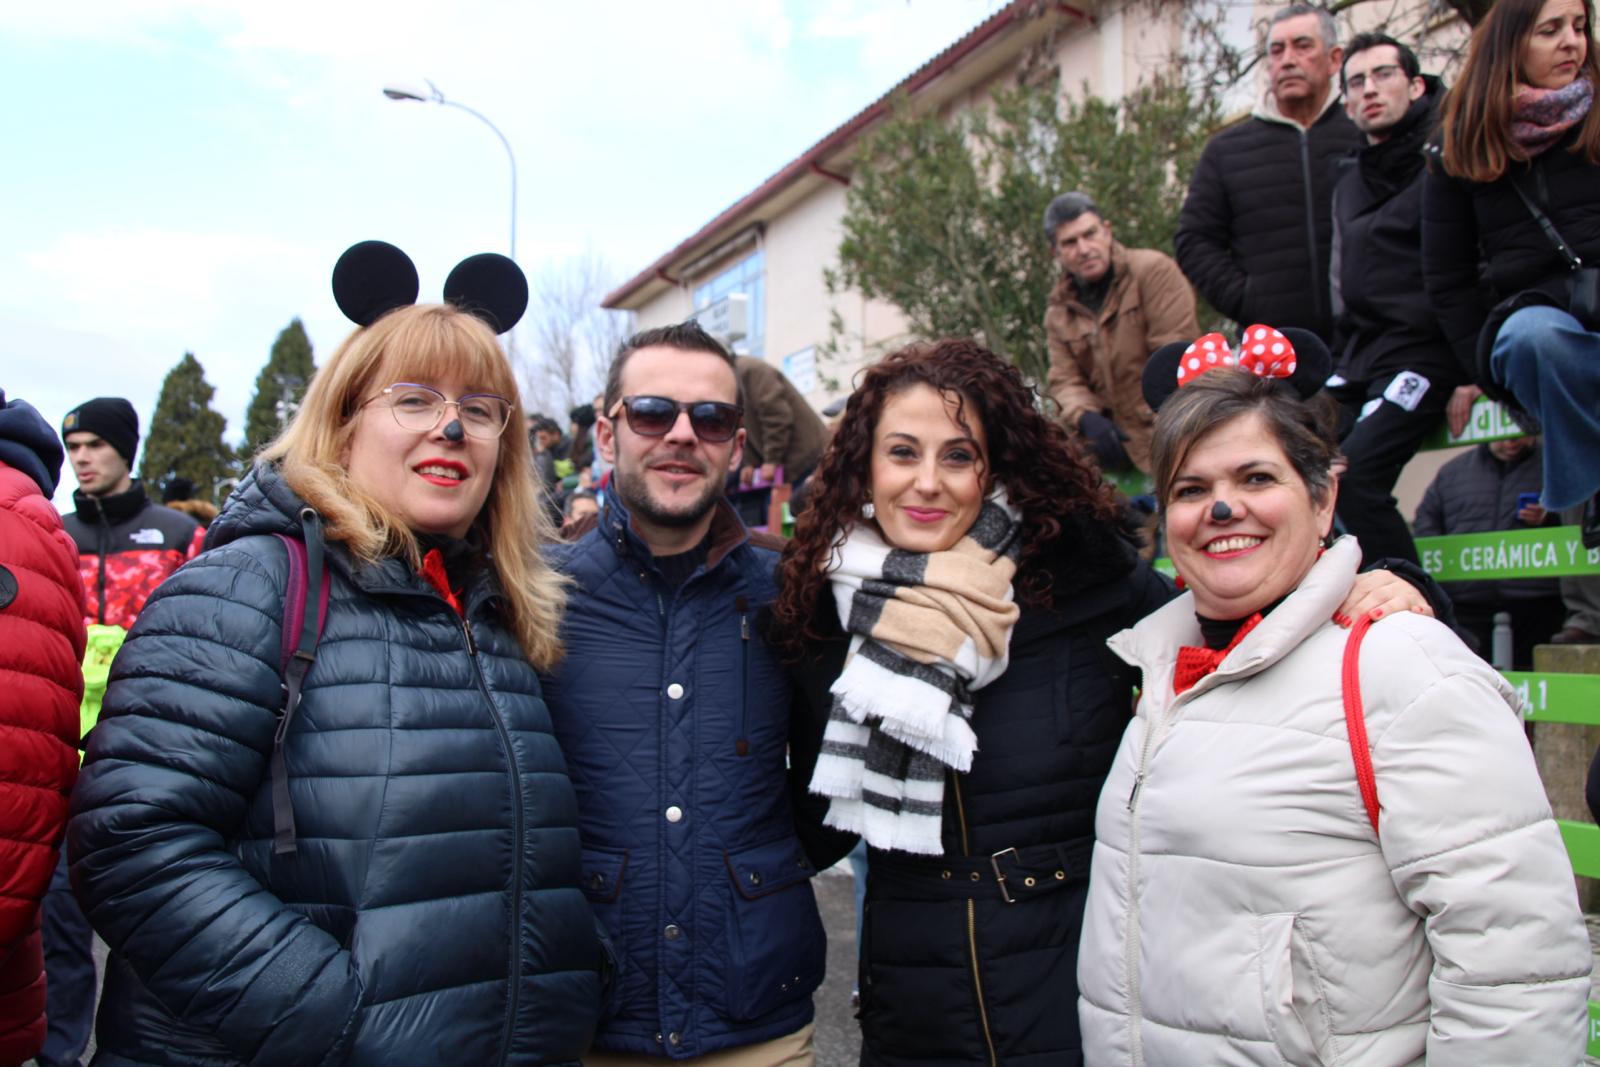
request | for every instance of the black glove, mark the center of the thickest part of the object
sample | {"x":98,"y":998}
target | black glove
{"x":1105,"y":440}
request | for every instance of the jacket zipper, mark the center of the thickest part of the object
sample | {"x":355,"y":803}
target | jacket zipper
{"x":977,"y":982}
{"x":513,"y":976}
{"x":1317,"y":298}
{"x":972,"y":930}
{"x":1130,"y":935}
{"x":961,"y":814}
{"x":741,"y":744}
{"x":104,"y":532}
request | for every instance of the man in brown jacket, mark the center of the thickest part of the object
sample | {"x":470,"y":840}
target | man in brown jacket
{"x":781,"y":428}
{"x":1112,"y":308}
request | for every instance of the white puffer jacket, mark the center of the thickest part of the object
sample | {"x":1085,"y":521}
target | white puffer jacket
{"x":1243,"y":911}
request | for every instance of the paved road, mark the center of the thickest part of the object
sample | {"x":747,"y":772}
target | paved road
{"x":838,"y":1040}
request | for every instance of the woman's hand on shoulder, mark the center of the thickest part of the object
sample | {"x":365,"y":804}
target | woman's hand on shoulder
{"x":1380,"y":593}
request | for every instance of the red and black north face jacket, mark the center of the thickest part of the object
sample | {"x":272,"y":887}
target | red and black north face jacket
{"x":127,"y":546}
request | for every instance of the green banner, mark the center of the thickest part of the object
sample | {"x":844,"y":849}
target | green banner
{"x":1583,"y":846}
{"x":1594,"y":1028}
{"x":1570,"y":698}
{"x":1547,"y":552}
{"x":1489,"y":422}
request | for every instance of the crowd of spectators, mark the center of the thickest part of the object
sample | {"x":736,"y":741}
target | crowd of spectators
{"x":718,"y":729}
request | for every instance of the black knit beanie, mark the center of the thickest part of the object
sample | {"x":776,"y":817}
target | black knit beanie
{"x":109,"y":417}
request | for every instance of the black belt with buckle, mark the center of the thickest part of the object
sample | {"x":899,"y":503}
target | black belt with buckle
{"x":1016,"y":873}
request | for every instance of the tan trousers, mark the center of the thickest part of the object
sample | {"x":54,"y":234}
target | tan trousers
{"x":793,"y":1050}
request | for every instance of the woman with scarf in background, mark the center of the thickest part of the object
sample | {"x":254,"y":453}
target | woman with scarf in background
{"x":1512,"y":206}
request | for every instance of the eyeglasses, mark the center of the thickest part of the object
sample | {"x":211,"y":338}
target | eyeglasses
{"x":654,"y":416}
{"x":417,"y":407}
{"x":1380,"y":76}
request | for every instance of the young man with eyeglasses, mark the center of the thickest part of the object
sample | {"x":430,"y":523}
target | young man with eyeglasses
{"x":674,"y":718}
{"x":1394,"y":371}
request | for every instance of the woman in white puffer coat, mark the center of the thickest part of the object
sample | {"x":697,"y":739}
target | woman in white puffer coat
{"x":1243,"y":909}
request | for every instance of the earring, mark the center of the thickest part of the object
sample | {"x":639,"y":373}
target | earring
{"x":867,"y":510}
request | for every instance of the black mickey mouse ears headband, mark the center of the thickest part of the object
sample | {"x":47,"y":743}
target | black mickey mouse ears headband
{"x":374,"y":277}
{"x":1298,"y":357}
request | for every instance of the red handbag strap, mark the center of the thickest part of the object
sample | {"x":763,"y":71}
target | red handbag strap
{"x":1355,"y":719}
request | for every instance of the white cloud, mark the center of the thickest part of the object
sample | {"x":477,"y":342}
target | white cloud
{"x":259,"y":146}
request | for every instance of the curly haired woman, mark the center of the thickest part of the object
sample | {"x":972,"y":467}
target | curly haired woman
{"x":947,"y":597}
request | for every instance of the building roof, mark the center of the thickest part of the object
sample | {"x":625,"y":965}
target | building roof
{"x":812,"y":161}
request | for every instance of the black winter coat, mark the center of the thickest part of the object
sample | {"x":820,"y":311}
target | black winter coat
{"x":1466,"y":223}
{"x":1256,"y":229}
{"x":431,"y":913}
{"x":951,"y":974}
{"x":1387,"y":324}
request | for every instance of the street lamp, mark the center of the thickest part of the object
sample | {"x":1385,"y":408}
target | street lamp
{"x":434,"y":96}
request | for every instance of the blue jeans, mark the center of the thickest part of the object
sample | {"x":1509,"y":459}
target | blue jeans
{"x":69,"y":973}
{"x":1551,"y":364}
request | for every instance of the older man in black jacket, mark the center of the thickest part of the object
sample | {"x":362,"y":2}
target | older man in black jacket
{"x":1394,"y":369}
{"x":1255,"y":231}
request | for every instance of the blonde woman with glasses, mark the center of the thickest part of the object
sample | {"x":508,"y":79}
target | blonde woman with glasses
{"x":389,"y":872}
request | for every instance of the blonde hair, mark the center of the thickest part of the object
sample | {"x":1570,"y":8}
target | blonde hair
{"x":425,"y":343}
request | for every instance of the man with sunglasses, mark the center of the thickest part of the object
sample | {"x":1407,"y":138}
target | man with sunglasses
{"x":1394,"y":371}
{"x":674,"y":717}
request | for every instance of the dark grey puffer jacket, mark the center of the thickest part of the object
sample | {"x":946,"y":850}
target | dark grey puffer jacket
{"x":1256,"y":228}
{"x":431,"y":913}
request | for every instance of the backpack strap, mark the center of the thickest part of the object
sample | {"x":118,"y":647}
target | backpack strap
{"x":1355,"y":718}
{"x":305,"y":612}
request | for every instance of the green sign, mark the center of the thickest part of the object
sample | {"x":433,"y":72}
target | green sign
{"x":1594,"y":1029}
{"x":1583,"y":846}
{"x":1547,"y":552}
{"x":1570,"y":698}
{"x":1489,"y":422}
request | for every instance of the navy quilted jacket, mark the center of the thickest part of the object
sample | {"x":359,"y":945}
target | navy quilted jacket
{"x":431,"y":913}
{"x":674,"y":718}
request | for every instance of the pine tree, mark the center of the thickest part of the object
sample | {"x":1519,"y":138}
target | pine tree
{"x":279,"y":389}
{"x":185,"y":438}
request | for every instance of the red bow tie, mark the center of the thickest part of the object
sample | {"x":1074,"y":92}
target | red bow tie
{"x":1195,"y":663}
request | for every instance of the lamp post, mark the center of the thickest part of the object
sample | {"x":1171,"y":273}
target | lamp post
{"x":434,"y":96}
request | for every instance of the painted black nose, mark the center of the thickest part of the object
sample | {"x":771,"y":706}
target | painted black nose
{"x":453,"y":430}
{"x":1220,"y":511}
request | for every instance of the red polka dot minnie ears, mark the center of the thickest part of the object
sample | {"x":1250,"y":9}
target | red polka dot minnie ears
{"x":374,"y":277}
{"x":1298,"y":357}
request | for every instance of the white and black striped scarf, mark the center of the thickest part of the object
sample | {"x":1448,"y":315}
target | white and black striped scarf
{"x":927,"y":629}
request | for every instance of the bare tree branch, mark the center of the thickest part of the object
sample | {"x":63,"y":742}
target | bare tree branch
{"x":574,"y":338}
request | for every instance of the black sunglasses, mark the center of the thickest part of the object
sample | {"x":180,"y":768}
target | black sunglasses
{"x":653,"y":416}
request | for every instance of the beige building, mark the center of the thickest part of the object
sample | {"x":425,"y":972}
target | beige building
{"x":774,"y":244}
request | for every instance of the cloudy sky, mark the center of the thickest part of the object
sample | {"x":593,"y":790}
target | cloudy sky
{"x":180,"y":175}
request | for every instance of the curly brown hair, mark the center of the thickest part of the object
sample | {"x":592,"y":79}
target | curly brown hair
{"x":1045,"y":475}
